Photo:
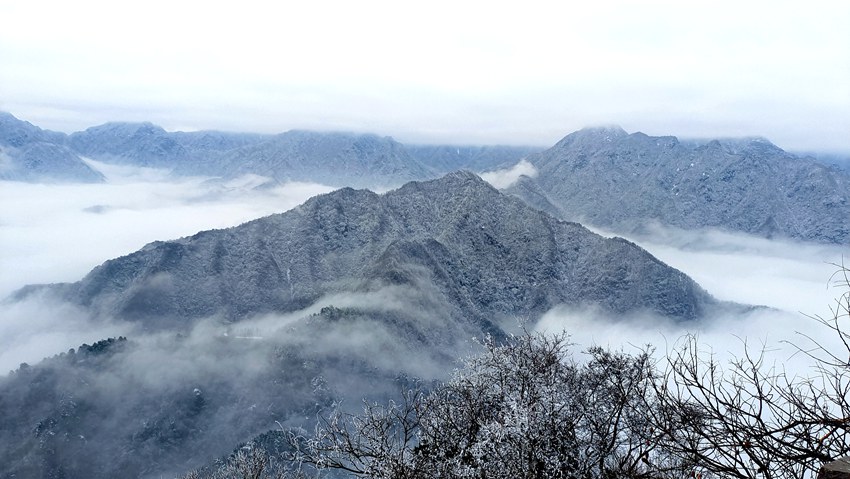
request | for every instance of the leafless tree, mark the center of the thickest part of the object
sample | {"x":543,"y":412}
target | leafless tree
{"x":376,"y":444}
{"x":749,"y":418}
{"x":523,"y":409}
{"x":528,"y":408}
{"x":249,"y":462}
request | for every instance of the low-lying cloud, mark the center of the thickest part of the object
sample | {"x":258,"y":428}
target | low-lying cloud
{"x":789,"y":275}
{"x":54,"y":233}
{"x":59,"y":232}
{"x":285,"y":368}
{"x":793,"y":280}
{"x":218,"y":384}
{"x":501,"y":179}
{"x":38,"y":327}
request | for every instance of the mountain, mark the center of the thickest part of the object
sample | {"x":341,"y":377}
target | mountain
{"x":338,"y":159}
{"x":487,"y":255}
{"x":840,"y":160}
{"x":28,"y":153}
{"x":443,"y":159}
{"x":262,"y":326}
{"x":615,"y":180}
{"x":125,"y":408}
{"x":149,"y":145}
{"x":138,"y":144}
{"x":206,"y":141}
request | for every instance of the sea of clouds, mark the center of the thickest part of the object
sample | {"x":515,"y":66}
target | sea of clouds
{"x":58,"y":232}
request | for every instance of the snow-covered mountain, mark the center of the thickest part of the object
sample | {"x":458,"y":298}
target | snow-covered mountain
{"x":337,"y":159}
{"x":487,"y":255}
{"x":612,"y":179}
{"x":28,"y":153}
{"x":267,"y":323}
{"x":444,"y":159}
{"x":149,"y":145}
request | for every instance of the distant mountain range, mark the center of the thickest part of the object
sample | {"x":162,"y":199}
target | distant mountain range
{"x":618,"y":181}
{"x":604,"y":177}
{"x":148,"y":145}
{"x":444,"y":159}
{"x":336,"y":159}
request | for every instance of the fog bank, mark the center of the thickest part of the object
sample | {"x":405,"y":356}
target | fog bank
{"x":58,"y":232}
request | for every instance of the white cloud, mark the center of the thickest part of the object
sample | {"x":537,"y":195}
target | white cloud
{"x":779,"y":336}
{"x":36,"y":328}
{"x":787,"y":275}
{"x":792,"y":279}
{"x":504,"y":178}
{"x":57,"y":233}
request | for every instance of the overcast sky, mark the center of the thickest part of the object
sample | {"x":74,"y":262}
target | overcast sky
{"x":438,"y":71}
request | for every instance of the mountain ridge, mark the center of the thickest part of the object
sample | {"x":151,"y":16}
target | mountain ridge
{"x":618,"y":181}
{"x":486,"y":242}
{"x":28,"y":153}
{"x":335,"y":158}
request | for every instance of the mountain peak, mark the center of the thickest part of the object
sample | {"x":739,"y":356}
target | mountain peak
{"x":143,"y":144}
{"x":615,"y":130}
{"x":6,"y":116}
{"x":35,"y":155}
{"x":127,"y":129}
{"x":454,"y":182}
{"x":337,"y":159}
{"x":593,"y":135}
{"x":465,"y":176}
{"x":747,"y":145}
{"x":736,"y":184}
{"x":16,"y":132}
{"x":473,"y":241}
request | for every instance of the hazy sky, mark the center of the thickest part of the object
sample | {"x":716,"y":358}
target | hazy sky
{"x":439,"y":71}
